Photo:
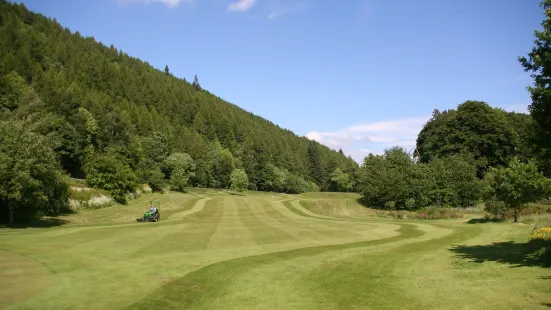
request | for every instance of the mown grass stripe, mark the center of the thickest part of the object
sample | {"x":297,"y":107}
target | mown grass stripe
{"x":194,"y":236}
{"x":263,"y":232}
{"x":206,"y":284}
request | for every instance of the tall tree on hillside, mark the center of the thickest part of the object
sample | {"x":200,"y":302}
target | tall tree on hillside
{"x":316,"y":171}
{"x":539,"y":64}
{"x":196,"y":83}
{"x":167,"y":71}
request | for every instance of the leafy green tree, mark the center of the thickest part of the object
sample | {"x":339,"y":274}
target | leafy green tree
{"x":451,"y":181}
{"x":178,"y":161}
{"x":167,"y":71}
{"x":156,"y":147}
{"x":222,"y":165}
{"x":109,"y":173}
{"x":524,"y":126}
{"x":179,"y":179}
{"x":239,"y":180}
{"x":149,"y":173}
{"x":179,"y":168}
{"x":383,"y":179}
{"x":316,"y":170}
{"x":394,"y":181}
{"x":474,"y":127}
{"x":340,"y":181}
{"x":538,"y":63}
{"x":31,"y":181}
{"x":518,"y":184}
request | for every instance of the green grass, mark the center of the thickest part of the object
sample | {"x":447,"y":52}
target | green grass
{"x":268,"y":251}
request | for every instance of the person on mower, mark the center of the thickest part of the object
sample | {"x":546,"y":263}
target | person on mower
{"x":153,"y":210}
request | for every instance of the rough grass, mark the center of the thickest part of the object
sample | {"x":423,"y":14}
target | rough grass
{"x":268,"y":251}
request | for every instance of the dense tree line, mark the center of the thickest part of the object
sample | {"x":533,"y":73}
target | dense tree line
{"x":115,"y":113}
{"x":464,"y":156}
{"x":395,"y":181}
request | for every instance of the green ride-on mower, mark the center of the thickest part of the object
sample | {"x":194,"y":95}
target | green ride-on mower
{"x":153,"y":215}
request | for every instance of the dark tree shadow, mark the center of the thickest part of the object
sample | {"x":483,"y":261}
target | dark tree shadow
{"x":38,"y":223}
{"x":533,"y":253}
{"x":546,"y":304}
{"x":483,"y":220}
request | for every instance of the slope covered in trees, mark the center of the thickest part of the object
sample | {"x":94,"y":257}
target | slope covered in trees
{"x":108,"y":103}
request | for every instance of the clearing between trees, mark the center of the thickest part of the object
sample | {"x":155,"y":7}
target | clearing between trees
{"x":213,"y":249}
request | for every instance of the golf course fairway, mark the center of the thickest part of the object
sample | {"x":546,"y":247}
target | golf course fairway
{"x":216,"y":250}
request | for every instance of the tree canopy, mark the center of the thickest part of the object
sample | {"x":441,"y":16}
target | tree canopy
{"x":394,"y":180}
{"x":518,"y":184}
{"x":239,"y":180}
{"x":475,"y":128}
{"x":538,"y":63}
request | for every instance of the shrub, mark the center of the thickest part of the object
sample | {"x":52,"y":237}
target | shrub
{"x":434,"y":213}
{"x":152,"y":175}
{"x":402,"y":215}
{"x":543,"y":221}
{"x":109,"y":173}
{"x":239,"y":180}
{"x":543,"y":233}
{"x":82,"y":198}
{"x":146,"y":188}
{"x":179,"y":180}
{"x":496,"y":209}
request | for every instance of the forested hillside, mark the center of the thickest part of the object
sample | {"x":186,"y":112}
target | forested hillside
{"x":108,"y":108}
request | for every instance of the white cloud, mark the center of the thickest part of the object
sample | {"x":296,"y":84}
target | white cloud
{"x":286,"y":7}
{"x":241,"y":5}
{"x":168,"y":3}
{"x":360,"y":140}
{"x":314,"y":135}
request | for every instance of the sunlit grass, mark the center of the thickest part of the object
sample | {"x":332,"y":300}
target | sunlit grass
{"x":270,"y":251}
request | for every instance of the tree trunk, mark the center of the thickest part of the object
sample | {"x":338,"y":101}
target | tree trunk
{"x":11,"y":211}
{"x":516,"y":214}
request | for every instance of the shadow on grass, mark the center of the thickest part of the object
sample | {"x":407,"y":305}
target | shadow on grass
{"x":237,"y":194}
{"x":533,"y":253}
{"x":483,"y":220}
{"x":38,"y":223}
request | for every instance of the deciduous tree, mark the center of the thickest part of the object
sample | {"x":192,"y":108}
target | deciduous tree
{"x":239,"y":180}
{"x":518,"y":184}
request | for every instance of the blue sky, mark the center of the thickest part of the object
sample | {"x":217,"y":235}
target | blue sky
{"x":361,"y":75}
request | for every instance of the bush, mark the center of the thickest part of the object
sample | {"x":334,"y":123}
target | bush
{"x":95,"y":202}
{"x":179,"y":180}
{"x":402,"y":215}
{"x":543,"y":233}
{"x":108,"y":173}
{"x":153,"y":176}
{"x":496,"y":209}
{"x":239,"y":180}
{"x":434,"y":213}
{"x":543,"y":221}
